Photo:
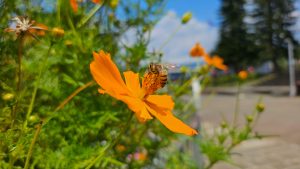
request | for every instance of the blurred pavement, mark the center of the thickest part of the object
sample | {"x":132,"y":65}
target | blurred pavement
{"x":281,"y":117}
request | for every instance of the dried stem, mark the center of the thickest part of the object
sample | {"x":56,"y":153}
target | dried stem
{"x":62,"y":104}
{"x":39,"y":126}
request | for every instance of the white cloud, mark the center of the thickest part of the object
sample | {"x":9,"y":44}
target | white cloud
{"x":177,"y":49}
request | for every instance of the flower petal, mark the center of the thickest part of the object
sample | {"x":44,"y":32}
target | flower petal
{"x":218,"y":63}
{"x":137,"y":106}
{"x":171,"y":122}
{"x":132,"y":82}
{"x":96,"y":1}
{"x":161,"y":101}
{"x":107,"y":75}
{"x":74,"y":5}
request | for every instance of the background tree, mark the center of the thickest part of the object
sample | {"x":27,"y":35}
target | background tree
{"x":235,"y":45}
{"x":273,"y":21}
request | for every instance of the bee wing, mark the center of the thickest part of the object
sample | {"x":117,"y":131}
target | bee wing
{"x":170,"y":66}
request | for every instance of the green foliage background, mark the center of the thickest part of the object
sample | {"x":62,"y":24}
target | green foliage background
{"x":86,"y":131}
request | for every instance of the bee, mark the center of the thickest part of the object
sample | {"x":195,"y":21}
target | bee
{"x":156,"y":75}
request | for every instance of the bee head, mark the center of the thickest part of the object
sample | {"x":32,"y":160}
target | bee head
{"x":153,"y":68}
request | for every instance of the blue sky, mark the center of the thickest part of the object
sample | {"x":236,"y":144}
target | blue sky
{"x":202,"y":28}
{"x":204,"y":10}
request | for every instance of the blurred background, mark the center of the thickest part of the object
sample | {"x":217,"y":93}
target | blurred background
{"x":80,"y":126}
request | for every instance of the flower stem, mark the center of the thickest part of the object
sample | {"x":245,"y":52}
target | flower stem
{"x":19,"y":76}
{"x":182,"y":88}
{"x":42,"y":69}
{"x":113,"y":143}
{"x":237,"y":105}
{"x":20,"y":54}
{"x":169,"y":38}
{"x":39,"y":126}
{"x":70,"y":97}
{"x":89,"y":15}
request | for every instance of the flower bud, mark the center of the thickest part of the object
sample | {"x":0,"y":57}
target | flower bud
{"x":58,"y":32}
{"x":33,"y":119}
{"x":8,"y":96}
{"x":113,"y":4}
{"x":260,"y":107}
{"x":249,"y":118}
{"x":186,"y":17}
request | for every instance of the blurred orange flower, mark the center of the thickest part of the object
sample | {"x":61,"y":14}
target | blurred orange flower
{"x":74,"y":4}
{"x":141,"y":156}
{"x":197,"y":51}
{"x":96,"y":1}
{"x":107,"y":75}
{"x":243,"y":74}
{"x":27,"y":27}
{"x":120,"y":148}
{"x":215,"y":61}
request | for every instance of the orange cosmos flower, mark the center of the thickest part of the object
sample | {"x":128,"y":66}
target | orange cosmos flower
{"x":215,"y":61}
{"x":218,"y":63}
{"x":197,"y":51}
{"x":144,"y":105}
{"x":243,"y":75}
{"x":74,"y":4}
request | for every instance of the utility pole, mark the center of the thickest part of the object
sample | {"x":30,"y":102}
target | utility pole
{"x":293,"y":89}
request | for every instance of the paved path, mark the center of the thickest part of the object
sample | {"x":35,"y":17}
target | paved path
{"x":265,"y":154}
{"x":282,"y":118}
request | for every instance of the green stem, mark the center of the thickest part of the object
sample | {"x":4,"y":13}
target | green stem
{"x":19,"y":75}
{"x":42,"y":69}
{"x":237,"y":105}
{"x":103,"y":151}
{"x":39,"y":126}
{"x":58,"y":10}
{"x":84,"y":20}
{"x":183,"y":87}
{"x":20,"y":54}
{"x":169,"y":38}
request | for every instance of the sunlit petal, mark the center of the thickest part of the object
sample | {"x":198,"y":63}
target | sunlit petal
{"x":171,"y":122}
{"x":161,"y":101}
{"x":132,"y":82}
{"x":137,"y":106}
{"x":107,"y":75}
